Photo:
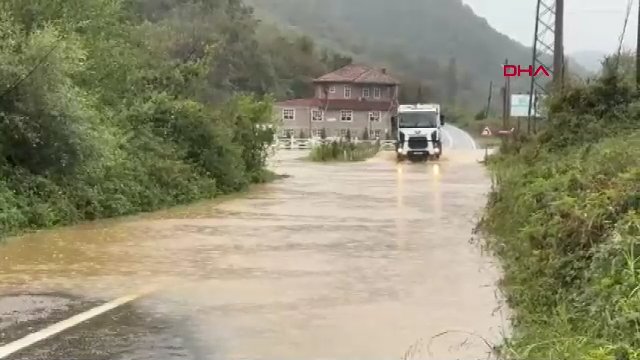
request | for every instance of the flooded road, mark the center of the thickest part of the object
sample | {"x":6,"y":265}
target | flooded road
{"x":342,"y":261}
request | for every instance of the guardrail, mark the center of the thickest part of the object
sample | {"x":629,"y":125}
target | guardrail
{"x":282,"y":143}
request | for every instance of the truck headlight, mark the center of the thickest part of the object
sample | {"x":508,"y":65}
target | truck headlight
{"x":436,"y":150}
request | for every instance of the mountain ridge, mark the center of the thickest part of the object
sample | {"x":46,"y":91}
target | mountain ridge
{"x":423,"y":46}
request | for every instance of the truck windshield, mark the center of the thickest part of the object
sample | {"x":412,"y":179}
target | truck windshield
{"x":419,"y":120}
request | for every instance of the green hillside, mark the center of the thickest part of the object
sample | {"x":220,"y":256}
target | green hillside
{"x":430,"y":40}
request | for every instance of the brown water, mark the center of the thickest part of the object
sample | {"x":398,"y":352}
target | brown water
{"x":341,"y":261}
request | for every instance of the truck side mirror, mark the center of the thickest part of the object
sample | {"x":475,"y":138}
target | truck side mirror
{"x":442,"y":119}
{"x":394,"y":122}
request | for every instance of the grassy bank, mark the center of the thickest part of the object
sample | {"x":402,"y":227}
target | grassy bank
{"x":475,"y":128}
{"x":564,"y":219}
{"x":343,"y":151}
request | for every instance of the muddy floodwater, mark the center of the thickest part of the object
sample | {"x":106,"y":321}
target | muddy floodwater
{"x":369,"y":260}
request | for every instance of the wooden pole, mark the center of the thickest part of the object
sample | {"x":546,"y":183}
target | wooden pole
{"x":506,"y":100}
{"x":486,"y":114}
{"x":638,"y":54}
{"x":558,"y":49}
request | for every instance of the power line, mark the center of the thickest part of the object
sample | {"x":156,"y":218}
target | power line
{"x":39,"y":63}
{"x":624,"y":28}
{"x":610,"y":11}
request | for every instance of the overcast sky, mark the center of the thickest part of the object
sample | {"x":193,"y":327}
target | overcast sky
{"x":589,"y":24}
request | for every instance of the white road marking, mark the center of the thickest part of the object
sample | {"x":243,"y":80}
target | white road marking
{"x":63,"y":325}
{"x":473,"y":142}
{"x":465,"y":135}
{"x":446,"y":133}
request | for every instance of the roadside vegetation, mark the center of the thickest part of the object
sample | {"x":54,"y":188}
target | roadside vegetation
{"x":564,"y":219}
{"x":111,"y":107}
{"x":344,"y":151}
{"x":475,"y":126}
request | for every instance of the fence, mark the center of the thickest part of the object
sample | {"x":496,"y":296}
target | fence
{"x":292,"y":143}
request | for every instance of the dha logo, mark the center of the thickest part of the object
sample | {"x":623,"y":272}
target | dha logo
{"x":517,"y":71}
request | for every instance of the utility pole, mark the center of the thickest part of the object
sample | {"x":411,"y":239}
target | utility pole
{"x":548,"y":40}
{"x":638,"y":54}
{"x":543,"y":45}
{"x":486,"y":114}
{"x":507,"y":99}
{"x":558,"y":49}
{"x":536,"y":99}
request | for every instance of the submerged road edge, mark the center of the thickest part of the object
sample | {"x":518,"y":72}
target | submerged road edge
{"x":63,"y":325}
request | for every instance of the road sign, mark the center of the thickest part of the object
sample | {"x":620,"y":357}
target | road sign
{"x":520,"y":105}
{"x":486,"y":131}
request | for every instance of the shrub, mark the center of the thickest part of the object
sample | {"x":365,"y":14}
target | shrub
{"x":564,"y":218}
{"x":343,"y":151}
{"x":102,"y":114}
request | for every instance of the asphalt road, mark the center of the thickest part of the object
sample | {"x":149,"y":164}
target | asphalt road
{"x":342,"y":261}
{"x":458,"y":139}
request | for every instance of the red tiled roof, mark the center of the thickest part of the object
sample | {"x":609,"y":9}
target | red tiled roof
{"x":358,"y":73}
{"x":340,"y":104}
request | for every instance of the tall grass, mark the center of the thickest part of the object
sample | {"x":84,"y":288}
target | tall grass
{"x":564,"y":218}
{"x":344,"y":151}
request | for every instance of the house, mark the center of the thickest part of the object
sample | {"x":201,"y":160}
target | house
{"x":355,"y":98}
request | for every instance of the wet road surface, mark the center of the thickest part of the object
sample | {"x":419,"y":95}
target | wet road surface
{"x":342,"y":261}
{"x":456,"y":138}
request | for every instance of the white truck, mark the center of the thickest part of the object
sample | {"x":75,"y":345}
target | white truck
{"x":418,"y":132}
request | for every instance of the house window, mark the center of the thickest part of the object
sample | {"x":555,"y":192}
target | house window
{"x":288,"y":114}
{"x":375,"y":134}
{"x":287,"y":133}
{"x":346,"y":115}
{"x":332,"y":89}
{"x":347,"y":92}
{"x":376,"y":93}
{"x":316,"y":115}
{"x":374,"y":116}
{"x":365,"y":93}
{"x":316,"y":133}
{"x":343,"y":132}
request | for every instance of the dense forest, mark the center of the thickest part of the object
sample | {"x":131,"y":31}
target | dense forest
{"x":440,"y":47}
{"x":110,"y":107}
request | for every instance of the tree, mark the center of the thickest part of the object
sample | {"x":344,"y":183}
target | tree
{"x":365,"y":134}
{"x":481,"y":115}
{"x":323,"y":133}
{"x":113,"y":107}
{"x":306,"y":45}
{"x":414,"y":47}
{"x":348,"y":137}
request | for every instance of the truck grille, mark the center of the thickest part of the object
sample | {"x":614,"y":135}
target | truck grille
{"x":418,"y":143}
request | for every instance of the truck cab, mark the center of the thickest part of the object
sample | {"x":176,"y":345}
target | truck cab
{"x":418,"y":131}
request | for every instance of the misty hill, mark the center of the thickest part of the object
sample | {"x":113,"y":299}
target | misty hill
{"x":418,"y":38}
{"x":590,"y":60}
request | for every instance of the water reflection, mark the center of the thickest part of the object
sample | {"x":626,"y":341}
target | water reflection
{"x":345,"y":261}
